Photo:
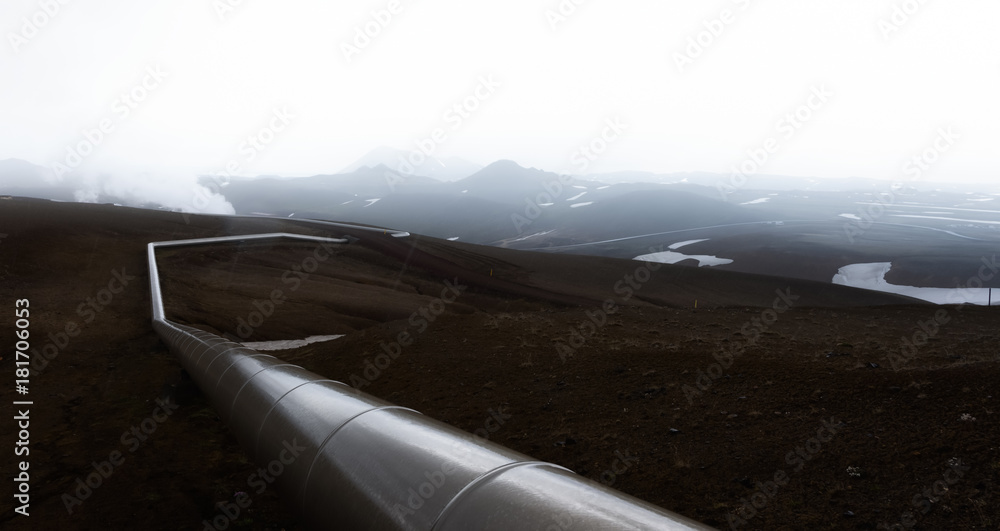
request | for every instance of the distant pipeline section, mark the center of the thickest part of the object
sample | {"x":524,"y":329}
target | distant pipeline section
{"x":352,"y":461}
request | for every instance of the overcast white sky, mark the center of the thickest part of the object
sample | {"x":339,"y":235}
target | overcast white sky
{"x":228,"y":70}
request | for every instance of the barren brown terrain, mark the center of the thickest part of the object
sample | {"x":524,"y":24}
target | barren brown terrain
{"x":802,"y":398}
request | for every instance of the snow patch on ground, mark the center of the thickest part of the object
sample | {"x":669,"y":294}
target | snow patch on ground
{"x":670,"y":257}
{"x":574,"y":205}
{"x":756,"y":201}
{"x":577,"y":196}
{"x":939,"y":207}
{"x":872,"y":276}
{"x":285,"y":344}
{"x":850,"y":216}
{"x":453,"y":238}
{"x":372,"y":201}
{"x":982,"y":221}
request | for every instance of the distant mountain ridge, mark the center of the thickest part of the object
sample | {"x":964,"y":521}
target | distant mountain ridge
{"x":22,"y":178}
{"x":697,"y":219}
{"x":415,"y":163}
{"x":496,"y":205}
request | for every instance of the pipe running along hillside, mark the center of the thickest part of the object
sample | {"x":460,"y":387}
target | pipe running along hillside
{"x":347,"y":460}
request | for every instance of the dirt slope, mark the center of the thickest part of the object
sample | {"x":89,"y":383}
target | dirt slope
{"x":686,"y":408}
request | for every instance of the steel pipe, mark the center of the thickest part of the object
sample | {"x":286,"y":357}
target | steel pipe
{"x":346,"y":460}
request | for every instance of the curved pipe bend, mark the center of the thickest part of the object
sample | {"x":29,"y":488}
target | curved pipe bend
{"x":348,"y":460}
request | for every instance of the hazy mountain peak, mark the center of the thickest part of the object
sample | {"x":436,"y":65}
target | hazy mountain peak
{"x":21,"y":173}
{"x":378,"y":168}
{"x":16,"y":163}
{"x":504,"y":164}
{"x":442,"y":169}
{"x":506,"y":171}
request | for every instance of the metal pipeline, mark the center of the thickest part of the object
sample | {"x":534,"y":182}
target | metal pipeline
{"x":347,"y":460}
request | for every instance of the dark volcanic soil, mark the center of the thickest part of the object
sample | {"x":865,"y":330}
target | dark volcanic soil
{"x":818,"y":395}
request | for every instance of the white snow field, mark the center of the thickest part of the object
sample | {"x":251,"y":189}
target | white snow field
{"x":284,"y":344}
{"x":872,"y":276}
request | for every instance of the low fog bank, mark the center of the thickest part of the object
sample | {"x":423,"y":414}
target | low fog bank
{"x":171,"y":191}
